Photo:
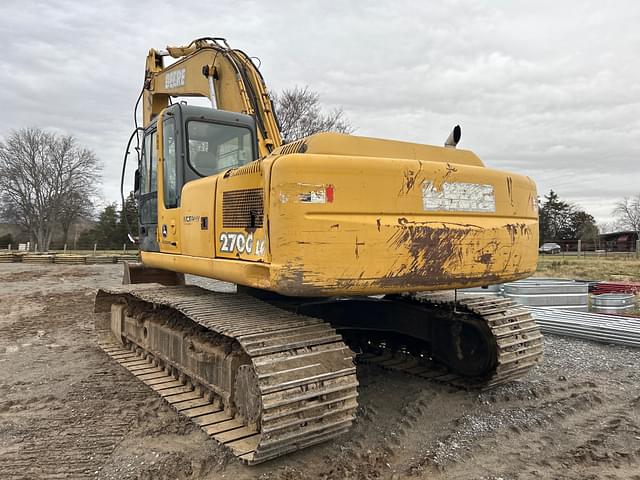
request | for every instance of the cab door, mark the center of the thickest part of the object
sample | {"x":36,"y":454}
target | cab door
{"x":169,"y":184}
{"x":147,"y":192}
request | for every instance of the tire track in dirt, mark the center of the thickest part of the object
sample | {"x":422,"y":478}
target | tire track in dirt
{"x":70,"y":439}
{"x":578,"y":428}
{"x":67,"y":407}
{"x":66,"y":411}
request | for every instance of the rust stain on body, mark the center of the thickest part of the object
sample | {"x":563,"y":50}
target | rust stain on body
{"x":410,"y":179}
{"x":450,"y":171}
{"x":445,"y":253}
{"x":358,"y":245}
{"x":510,"y":189}
{"x":485,"y":258}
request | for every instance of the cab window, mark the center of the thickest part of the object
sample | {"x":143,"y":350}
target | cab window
{"x":148,"y":208}
{"x":215,"y":147}
{"x":170,"y":164}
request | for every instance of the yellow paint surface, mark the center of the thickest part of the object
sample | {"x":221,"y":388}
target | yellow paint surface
{"x":375,"y":236}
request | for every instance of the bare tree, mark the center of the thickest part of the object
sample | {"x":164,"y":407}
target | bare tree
{"x":43,"y":179}
{"x":300,"y":115}
{"x":78,"y":205}
{"x":627,"y":212}
{"x":610,"y":227}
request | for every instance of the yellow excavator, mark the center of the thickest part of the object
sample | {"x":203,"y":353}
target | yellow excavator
{"x":337,"y":243}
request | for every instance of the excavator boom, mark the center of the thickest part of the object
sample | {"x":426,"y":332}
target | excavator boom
{"x":209,"y":68}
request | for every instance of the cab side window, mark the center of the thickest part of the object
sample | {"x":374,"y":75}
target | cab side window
{"x":170,"y":164}
{"x":148,"y":186}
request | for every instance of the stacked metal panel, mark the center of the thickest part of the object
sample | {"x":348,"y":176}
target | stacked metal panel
{"x":616,"y":287}
{"x":127,"y":258}
{"x":7,"y":257}
{"x":590,"y":326}
{"x":549,"y":293}
{"x":91,"y":260}
{"x":70,"y":259}
{"x":37,"y":258}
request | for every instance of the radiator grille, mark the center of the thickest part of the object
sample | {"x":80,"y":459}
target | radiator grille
{"x":242,"y":208}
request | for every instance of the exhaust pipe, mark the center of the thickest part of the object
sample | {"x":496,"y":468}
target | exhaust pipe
{"x":454,"y":137}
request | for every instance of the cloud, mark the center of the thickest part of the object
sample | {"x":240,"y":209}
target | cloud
{"x":546,"y":88}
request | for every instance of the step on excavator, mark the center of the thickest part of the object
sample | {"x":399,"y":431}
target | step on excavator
{"x":337,"y":244}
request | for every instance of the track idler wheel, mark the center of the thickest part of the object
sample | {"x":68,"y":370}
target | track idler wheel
{"x":467,"y":347}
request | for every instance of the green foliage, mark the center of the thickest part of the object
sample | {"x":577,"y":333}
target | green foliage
{"x":562,"y":221}
{"x":6,"y":240}
{"x":111,"y":230}
{"x":583,"y":226}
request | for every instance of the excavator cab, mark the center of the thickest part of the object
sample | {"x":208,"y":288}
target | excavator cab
{"x":196,"y":142}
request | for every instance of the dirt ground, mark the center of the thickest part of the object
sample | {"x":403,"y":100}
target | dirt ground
{"x":68,"y":411}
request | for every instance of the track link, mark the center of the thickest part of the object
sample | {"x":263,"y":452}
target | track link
{"x":298,"y":386}
{"x":518,"y":343}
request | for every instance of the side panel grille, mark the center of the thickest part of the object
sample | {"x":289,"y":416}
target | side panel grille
{"x":253,"y":167}
{"x":243,"y":208}
{"x":298,"y":146}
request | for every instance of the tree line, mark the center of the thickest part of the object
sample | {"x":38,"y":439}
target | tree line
{"x":48,"y":182}
{"x":562,"y":221}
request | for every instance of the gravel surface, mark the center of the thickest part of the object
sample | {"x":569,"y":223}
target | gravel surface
{"x":68,"y":411}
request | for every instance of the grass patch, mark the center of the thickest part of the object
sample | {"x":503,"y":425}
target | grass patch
{"x":589,"y":268}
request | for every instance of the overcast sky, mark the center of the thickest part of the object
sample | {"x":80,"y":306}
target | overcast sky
{"x":546,"y":88}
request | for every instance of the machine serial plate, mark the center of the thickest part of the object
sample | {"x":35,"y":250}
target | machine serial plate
{"x":458,"y":197}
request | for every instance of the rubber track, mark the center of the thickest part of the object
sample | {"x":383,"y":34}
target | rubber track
{"x":517,"y":336}
{"x":307,"y":382}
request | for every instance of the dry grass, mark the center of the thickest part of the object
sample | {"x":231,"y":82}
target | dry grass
{"x":589,"y":268}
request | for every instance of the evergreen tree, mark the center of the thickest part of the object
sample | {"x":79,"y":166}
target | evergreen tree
{"x":563,"y":221}
{"x":128,"y":219}
{"x":111,"y":230}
